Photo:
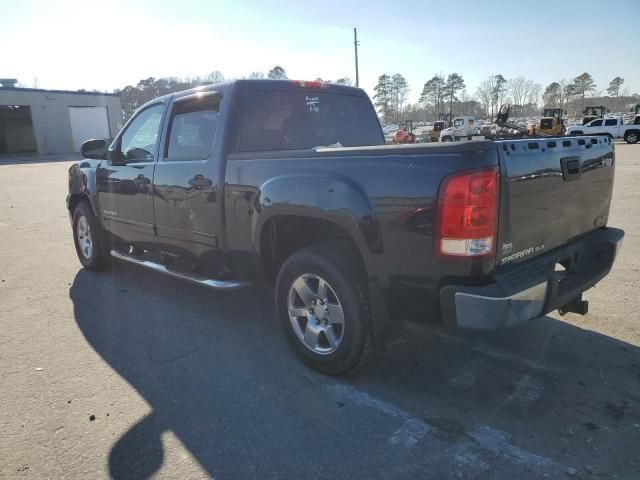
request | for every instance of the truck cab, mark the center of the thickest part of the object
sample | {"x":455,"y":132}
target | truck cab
{"x":464,"y":127}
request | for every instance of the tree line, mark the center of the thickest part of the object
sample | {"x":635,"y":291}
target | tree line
{"x":441,"y":94}
{"x":446,"y":94}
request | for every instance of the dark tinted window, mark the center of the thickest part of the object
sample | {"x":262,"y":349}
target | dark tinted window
{"x":193,"y":128}
{"x":610,"y":122}
{"x":275,"y":120}
{"x":596,"y":123}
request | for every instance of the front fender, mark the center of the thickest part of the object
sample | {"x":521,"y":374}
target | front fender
{"x":83,"y":185}
{"x":331,"y":197}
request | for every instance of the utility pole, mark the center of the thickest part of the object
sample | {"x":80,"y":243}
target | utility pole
{"x":355,"y":46}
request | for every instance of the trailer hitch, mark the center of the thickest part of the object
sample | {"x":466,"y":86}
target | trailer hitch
{"x":577,"y":305}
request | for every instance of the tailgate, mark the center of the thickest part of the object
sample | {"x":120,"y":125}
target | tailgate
{"x":552,"y":191}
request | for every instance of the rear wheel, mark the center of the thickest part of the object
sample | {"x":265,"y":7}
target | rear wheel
{"x":631,"y":137}
{"x":321,"y":297}
{"x":88,"y":239}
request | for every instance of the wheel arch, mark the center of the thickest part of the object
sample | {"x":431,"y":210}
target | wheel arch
{"x":83,"y":186}
{"x":309,"y":209}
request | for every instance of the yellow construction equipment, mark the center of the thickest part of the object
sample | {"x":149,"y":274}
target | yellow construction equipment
{"x":591,"y":113}
{"x":551,"y":123}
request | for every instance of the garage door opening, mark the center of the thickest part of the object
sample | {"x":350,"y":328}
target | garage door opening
{"x":88,"y":123}
{"x":16,"y":130}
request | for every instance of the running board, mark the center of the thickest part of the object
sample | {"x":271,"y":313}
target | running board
{"x":207,"y":282}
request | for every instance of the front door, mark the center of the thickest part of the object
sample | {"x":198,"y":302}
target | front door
{"x":187,"y":200}
{"x":125,"y":186}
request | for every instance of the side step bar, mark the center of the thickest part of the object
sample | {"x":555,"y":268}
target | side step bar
{"x":207,"y":282}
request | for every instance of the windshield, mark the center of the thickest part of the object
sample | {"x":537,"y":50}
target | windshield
{"x":458,"y":122}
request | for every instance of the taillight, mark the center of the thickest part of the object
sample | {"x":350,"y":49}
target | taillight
{"x":467,"y":216}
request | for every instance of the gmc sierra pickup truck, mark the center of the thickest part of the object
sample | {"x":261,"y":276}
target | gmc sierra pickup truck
{"x":290,"y":182}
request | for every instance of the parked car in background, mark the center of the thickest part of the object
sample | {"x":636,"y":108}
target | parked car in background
{"x":613,"y":127}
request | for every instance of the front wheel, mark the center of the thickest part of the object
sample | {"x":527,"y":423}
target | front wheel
{"x":321,"y":297}
{"x":87,"y":238}
{"x":631,"y":137}
{"x":447,"y":139}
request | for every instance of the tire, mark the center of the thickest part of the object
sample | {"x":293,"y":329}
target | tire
{"x":332,"y":343}
{"x":632,"y":137}
{"x":88,"y":239}
{"x":447,"y":139}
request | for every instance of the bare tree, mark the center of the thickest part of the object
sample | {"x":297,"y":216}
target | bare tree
{"x":518,"y":88}
{"x":485,"y":95}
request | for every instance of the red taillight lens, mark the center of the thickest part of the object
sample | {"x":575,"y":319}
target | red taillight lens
{"x":310,"y":83}
{"x":467,"y":216}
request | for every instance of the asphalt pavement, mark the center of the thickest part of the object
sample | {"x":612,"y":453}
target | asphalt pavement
{"x":128,"y":374}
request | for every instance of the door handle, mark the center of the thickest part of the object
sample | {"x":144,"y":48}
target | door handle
{"x":141,"y":180}
{"x":200,"y":182}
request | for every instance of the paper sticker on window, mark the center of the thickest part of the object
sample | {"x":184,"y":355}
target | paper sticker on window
{"x":313,"y":103}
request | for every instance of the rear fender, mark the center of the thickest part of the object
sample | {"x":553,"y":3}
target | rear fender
{"x":329,"y":197}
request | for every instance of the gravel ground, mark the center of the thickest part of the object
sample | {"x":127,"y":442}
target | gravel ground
{"x":128,"y":374}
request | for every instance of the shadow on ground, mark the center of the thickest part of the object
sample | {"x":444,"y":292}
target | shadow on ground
{"x":543,"y":397}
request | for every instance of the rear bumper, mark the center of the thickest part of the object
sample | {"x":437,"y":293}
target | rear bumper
{"x":532,"y":289}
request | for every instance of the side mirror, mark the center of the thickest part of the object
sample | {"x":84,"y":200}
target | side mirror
{"x":95,"y":149}
{"x":114,"y":156}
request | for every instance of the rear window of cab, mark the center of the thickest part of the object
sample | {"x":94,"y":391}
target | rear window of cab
{"x":294,"y":120}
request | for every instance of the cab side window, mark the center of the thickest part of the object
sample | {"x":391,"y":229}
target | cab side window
{"x":612,"y":122}
{"x":138,"y":142}
{"x":192,"y":128}
{"x":596,"y":123}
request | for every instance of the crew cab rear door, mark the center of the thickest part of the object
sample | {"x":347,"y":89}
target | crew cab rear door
{"x":552,"y":191}
{"x":612,"y":127}
{"x":187,"y":190}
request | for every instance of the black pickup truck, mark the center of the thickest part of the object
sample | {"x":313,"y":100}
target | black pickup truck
{"x":290,"y":182}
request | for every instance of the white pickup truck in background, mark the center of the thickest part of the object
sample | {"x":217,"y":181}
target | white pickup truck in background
{"x":614,"y":127}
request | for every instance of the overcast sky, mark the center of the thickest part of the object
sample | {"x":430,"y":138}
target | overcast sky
{"x":110,"y":44}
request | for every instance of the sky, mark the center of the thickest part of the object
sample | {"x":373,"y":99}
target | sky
{"x":110,"y":44}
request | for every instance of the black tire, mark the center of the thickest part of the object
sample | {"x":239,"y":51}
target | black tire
{"x":97,"y":257}
{"x":339,"y":266}
{"x":447,"y":139}
{"x":632,"y":137}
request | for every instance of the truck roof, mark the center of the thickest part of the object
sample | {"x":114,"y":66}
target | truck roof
{"x":264,"y":84}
